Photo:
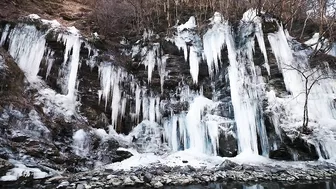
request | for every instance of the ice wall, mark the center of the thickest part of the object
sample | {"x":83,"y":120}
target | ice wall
{"x":295,"y":67}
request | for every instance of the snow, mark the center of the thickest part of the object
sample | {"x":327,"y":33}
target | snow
{"x":34,"y":16}
{"x":190,"y":24}
{"x":101,"y":133}
{"x":21,"y":170}
{"x":51,"y":23}
{"x":316,"y":42}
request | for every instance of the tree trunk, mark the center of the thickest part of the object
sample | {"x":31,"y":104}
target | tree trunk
{"x":305,"y":109}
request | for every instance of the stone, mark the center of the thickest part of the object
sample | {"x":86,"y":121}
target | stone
{"x":228,"y":165}
{"x":63,"y":185}
{"x":115,"y":182}
{"x":157,"y":184}
{"x":148,"y":177}
{"x":5,"y":166}
{"x":128,"y":181}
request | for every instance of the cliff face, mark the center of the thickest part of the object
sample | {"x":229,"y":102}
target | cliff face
{"x":220,"y":90}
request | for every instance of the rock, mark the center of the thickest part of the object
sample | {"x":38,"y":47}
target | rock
{"x":228,"y":145}
{"x":191,"y":168}
{"x":136,"y":180}
{"x":128,"y":181}
{"x":56,"y":179}
{"x":63,"y":185}
{"x":228,"y":165}
{"x":148,"y":177}
{"x":121,"y":155}
{"x":282,"y":153}
{"x":184,"y":161}
{"x":80,"y":186}
{"x":5,"y":166}
{"x":115,"y":182}
{"x":157,"y":184}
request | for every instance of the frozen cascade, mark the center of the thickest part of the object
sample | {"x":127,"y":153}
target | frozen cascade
{"x":213,"y":42}
{"x":71,"y":62}
{"x":245,"y":80}
{"x":190,"y":43}
{"x":151,"y":56}
{"x":110,"y":78}
{"x":250,"y":16}
{"x":321,"y":107}
{"x":81,"y":143}
{"x":192,"y":130}
{"x":27,"y":46}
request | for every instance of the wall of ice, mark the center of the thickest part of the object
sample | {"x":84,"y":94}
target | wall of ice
{"x":199,"y":126}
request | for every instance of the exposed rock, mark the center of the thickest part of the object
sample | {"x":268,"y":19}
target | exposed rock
{"x":228,"y":165}
{"x":148,"y":177}
{"x":228,"y":145}
{"x":5,"y":166}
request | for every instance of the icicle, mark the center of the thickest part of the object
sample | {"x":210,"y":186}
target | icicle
{"x":157,"y":110}
{"x":50,"y":62}
{"x":245,"y":93}
{"x":4,"y":35}
{"x":193,"y":130}
{"x":72,"y":43}
{"x":152,"y":109}
{"x":145,"y":105}
{"x":213,"y":41}
{"x":27,"y":46}
{"x":260,"y":38}
{"x":162,"y":70}
{"x":190,"y":43}
{"x":137,"y":102}
{"x":106,"y":76}
{"x":151,"y":57}
{"x":116,"y":97}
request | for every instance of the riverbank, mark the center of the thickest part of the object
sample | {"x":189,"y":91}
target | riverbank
{"x":159,"y":176}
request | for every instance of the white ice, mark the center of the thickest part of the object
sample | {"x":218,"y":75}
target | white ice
{"x":21,"y":170}
{"x":80,"y":143}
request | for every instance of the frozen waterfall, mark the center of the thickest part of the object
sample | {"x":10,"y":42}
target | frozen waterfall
{"x":186,"y":117}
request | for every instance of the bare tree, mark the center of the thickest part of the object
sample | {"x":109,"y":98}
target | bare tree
{"x":311,"y":77}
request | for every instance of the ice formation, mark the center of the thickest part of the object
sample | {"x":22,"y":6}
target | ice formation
{"x":294,"y":64}
{"x":4,"y":35}
{"x":27,"y":46}
{"x":191,"y":130}
{"x":188,"y":41}
{"x":21,"y":170}
{"x":214,"y":41}
{"x":80,"y":143}
{"x":195,"y":129}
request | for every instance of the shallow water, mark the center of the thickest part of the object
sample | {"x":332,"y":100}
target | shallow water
{"x":331,"y":184}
